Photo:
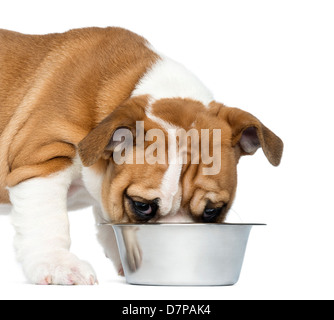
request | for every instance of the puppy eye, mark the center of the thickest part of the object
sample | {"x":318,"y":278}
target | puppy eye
{"x":144,"y":211}
{"x":211,"y":214}
{"x":142,"y":207}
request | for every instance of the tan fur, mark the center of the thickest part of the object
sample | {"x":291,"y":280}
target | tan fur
{"x":55,"y":88}
{"x":64,"y":94}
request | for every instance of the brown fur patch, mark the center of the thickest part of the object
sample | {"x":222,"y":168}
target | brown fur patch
{"x":55,"y":88}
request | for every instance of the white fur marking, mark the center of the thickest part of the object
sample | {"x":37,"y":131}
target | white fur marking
{"x":171,"y":181}
{"x":169,"y":79}
{"x":162,"y":123}
{"x":42,"y":241}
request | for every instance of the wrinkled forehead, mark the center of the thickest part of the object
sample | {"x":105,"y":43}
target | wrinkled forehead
{"x":177,"y":113}
{"x":184,"y":114}
{"x":180,"y":185}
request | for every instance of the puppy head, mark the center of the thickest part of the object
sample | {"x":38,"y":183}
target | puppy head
{"x":173,"y":160}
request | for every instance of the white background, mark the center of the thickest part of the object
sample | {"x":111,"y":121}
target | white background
{"x":274,"y":59}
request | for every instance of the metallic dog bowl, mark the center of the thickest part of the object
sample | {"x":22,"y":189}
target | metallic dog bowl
{"x":182,"y":254}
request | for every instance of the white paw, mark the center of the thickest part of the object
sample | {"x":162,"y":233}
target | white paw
{"x":61,"y":268}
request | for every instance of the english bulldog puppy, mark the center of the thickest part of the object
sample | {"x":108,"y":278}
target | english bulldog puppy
{"x":97,"y":117}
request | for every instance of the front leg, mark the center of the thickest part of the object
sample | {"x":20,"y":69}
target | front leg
{"x":42,"y":239}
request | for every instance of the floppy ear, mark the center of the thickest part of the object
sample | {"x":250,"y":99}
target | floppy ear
{"x":250,"y":134}
{"x":99,"y":142}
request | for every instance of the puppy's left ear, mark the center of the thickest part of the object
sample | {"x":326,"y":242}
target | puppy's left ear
{"x":250,"y":134}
